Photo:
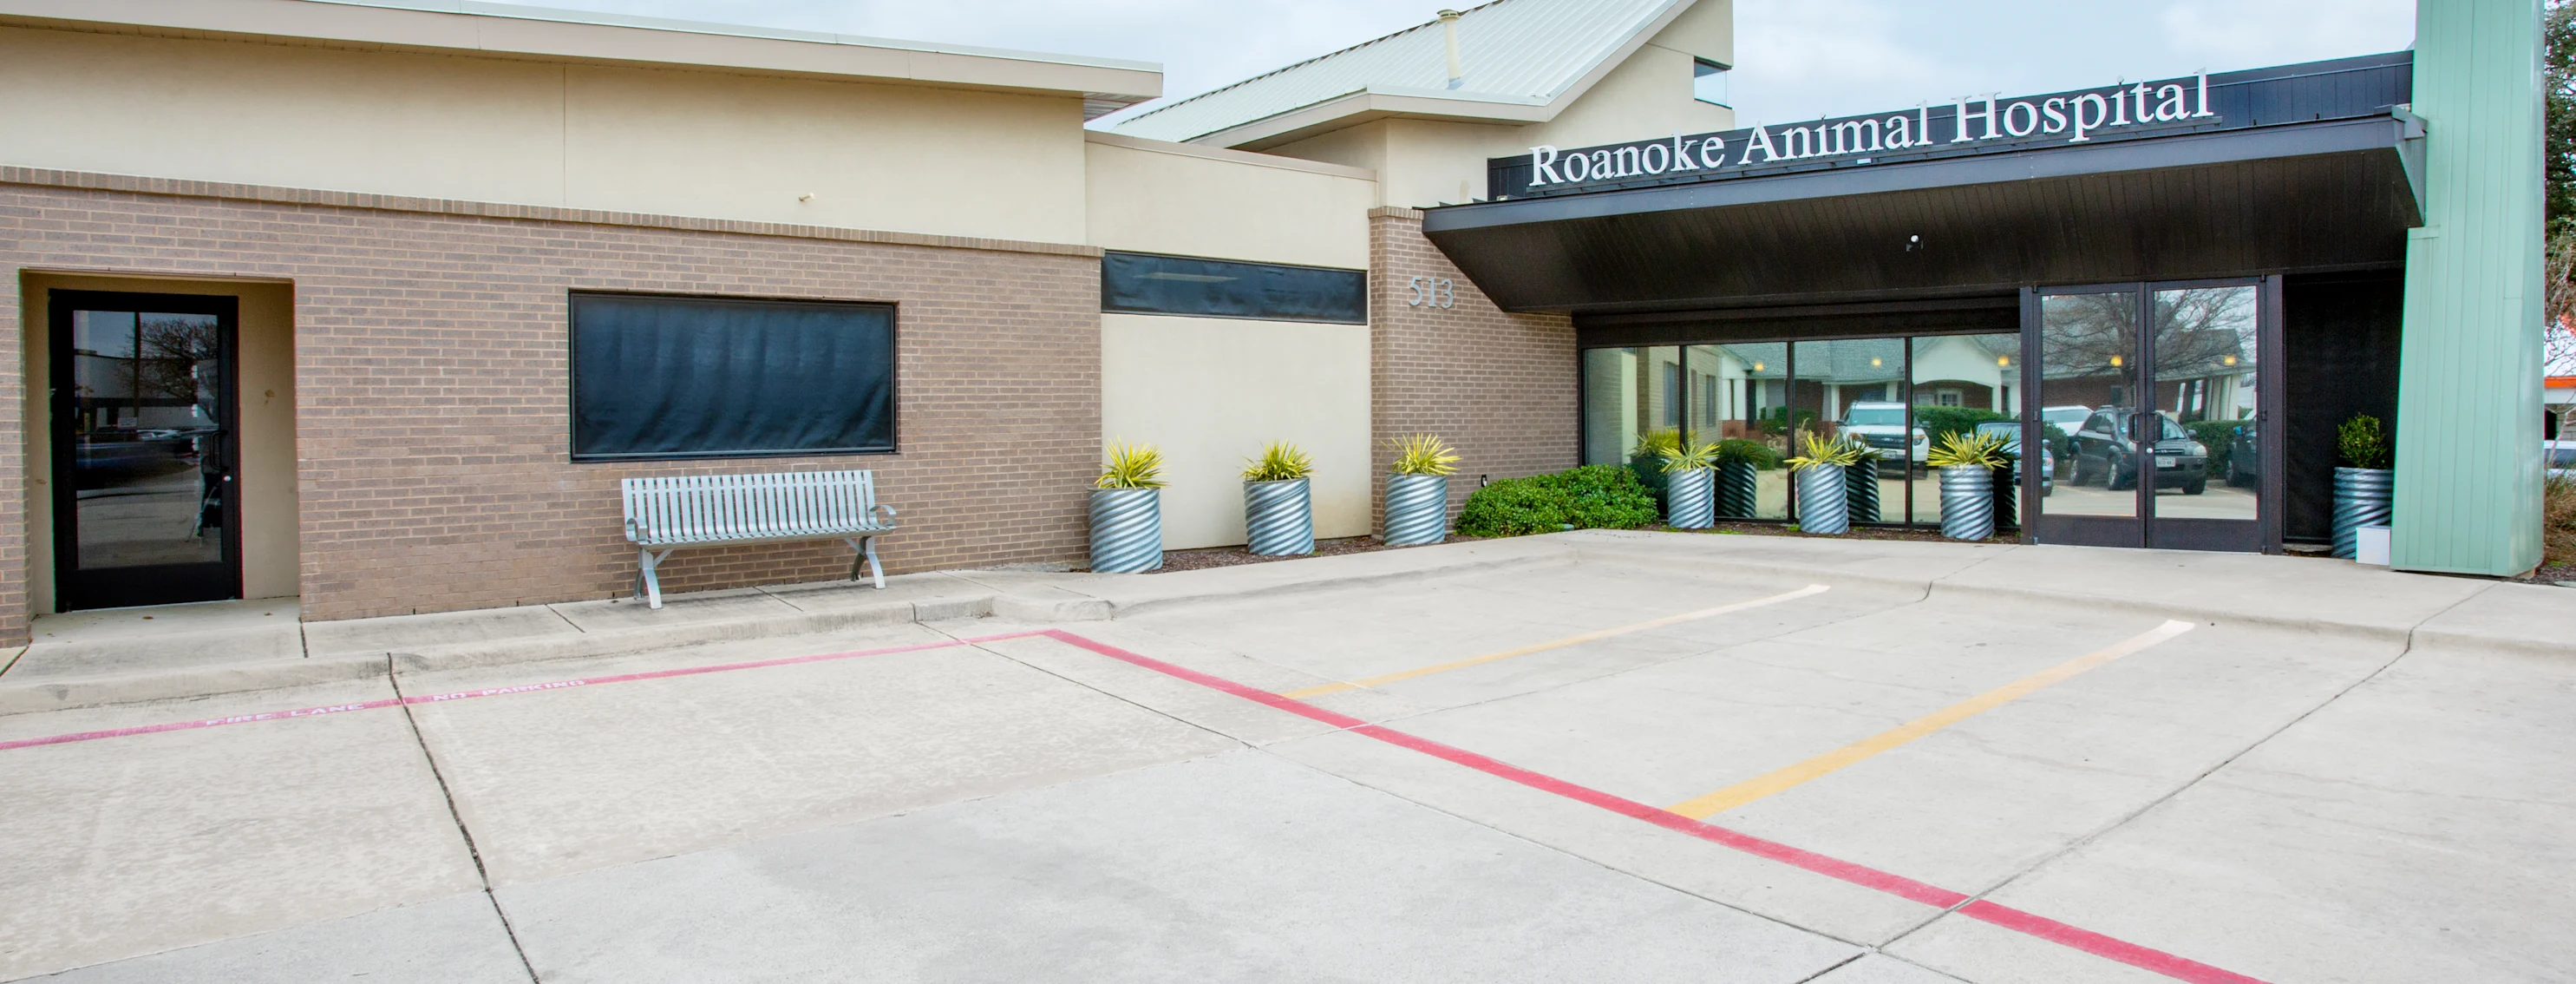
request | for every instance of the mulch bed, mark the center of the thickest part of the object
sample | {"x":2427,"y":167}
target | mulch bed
{"x":1919,"y":534}
{"x":2562,"y":575}
{"x":1195,"y":560}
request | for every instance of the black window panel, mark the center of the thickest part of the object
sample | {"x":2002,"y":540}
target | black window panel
{"x":692,"y":377}
{"x":1147,"y":283}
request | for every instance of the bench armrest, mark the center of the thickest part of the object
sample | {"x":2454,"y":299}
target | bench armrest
{"x":887,"y":510}
{"x":634,"y":532}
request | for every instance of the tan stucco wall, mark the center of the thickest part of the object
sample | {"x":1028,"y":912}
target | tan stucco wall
{"x":1422,"y":162}
{"x":677,"y":142}
{"x":265,"y":376}
{"x":1155,"y":197}
{"x":1210,"y":392}
{"x":1648,"y":95}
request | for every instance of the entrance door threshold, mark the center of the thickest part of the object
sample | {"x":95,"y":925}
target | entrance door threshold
{"x":157,"y":639}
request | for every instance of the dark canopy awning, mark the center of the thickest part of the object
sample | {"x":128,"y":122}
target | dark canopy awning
{"x":2334,"y":194}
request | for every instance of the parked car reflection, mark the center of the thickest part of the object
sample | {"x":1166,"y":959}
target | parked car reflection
{"x":2066,"y":419}
{"x":2104,"y":452}
{"x":110,"y":459}
{"x":2245,"y":455}
{"x":2010,"y":431}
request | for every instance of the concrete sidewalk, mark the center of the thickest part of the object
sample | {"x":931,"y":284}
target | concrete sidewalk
{"x":93,"y":658}
{"x":2336,"y":773}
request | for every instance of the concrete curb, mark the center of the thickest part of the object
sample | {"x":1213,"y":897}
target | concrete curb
{"x":131,"y":688}
{"x":2421,"y":632}
{"x":1313,"y":581}
{"x":1016,"y":598}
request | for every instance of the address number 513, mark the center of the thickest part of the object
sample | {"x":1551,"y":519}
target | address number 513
{"x":1439,"y":292}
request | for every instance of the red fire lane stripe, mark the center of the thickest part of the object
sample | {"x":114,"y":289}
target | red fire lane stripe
{"x":2144,"y":958}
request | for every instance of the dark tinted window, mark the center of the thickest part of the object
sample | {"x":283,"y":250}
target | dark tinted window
{"x":1149,"y":283}
{"x":689,"y":377}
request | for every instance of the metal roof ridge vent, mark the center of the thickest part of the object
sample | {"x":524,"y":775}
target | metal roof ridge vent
{"x":1449,"y":31}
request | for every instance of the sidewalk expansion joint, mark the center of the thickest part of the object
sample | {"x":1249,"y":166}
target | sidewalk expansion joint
{"x":472,"y":852}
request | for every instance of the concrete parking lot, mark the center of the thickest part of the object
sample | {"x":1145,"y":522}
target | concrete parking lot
{"x":1584,"y":757}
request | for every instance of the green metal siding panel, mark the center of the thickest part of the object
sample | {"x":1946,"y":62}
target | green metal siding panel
{"x":2468,"y":427}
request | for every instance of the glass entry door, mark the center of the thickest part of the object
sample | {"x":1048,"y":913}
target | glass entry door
{"x":2149,"y":396}
{"x":143,"y":449}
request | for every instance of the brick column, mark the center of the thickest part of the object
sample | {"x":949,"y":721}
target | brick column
{"x":1499,"y":386}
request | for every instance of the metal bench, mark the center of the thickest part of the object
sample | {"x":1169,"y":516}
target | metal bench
{"x":666,"y":514}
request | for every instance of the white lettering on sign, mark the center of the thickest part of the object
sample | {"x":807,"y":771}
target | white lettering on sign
{"x":1972,"y":120}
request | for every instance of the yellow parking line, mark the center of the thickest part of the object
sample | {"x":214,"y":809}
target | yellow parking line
{"x":1333,"y":688}
{"x":1782,"y":780}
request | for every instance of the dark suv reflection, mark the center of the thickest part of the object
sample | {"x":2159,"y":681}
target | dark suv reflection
{"x":2104,"y":453}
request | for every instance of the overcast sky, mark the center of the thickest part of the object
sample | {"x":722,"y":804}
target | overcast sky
{"x":1796,"y":59}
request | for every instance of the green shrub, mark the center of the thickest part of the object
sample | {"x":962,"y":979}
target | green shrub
{"x":1776,"y":420}
{"x":2360,"y":443}
{"x":2558,"y":521}
{"x":1940,"y":422}
{"x":2219,"y":436}
{"x":1589,"y":497}
{"x":1748,"y":451}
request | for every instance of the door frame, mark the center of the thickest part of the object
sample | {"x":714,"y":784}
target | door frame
{"x":2144,"y":528}
{"x":154,"y":584}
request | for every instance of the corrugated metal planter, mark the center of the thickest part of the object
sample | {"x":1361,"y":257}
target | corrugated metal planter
{"x":1278,"y":518}
{"x":1861,"y":484}
{"x":1417,"y":509}
{"x":1968,"y":502}
{"x":1736,"y":496}
{"x":2361,"y":498}
{"x":1126,"y":530}
{"x":1690,"y":499}
{"x":1824,"y":499}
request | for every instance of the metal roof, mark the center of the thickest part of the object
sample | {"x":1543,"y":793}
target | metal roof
{"x":480,"y":8}
{"x":1512,"y":52}
{"x":511,"y":30}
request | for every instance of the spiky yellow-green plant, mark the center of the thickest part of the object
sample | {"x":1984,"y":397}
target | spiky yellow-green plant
{"x":1279,"y":462}
{"x":1422,"y":454}
{"x":1131,"y":466}
{"x":1963,"y":449}
{"x":1822,"y":451}
{"x":1657,"y":444}
{"x":1692,"y":457}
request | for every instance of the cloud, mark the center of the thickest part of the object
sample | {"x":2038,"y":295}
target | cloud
{"x":2235,"y":34}
{"x":1803,"y":58}
{"x":1796,"y":59}
{"x":1201,"y":44}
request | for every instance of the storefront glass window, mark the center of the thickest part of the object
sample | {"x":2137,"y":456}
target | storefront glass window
{"x":1854,"y":389}
{"x":2088,"y":347}
{"x":1960,"y":383}
{"x":1631,"y":396}
{"x":695,"y":377}
{"x":2205,"y":355}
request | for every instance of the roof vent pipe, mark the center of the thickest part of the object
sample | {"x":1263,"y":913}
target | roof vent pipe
{"x":1449,"y":29}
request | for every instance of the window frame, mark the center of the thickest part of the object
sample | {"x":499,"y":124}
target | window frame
{"x":572,"y":376}
{"x":1367,"y":303}
{"x":1714,"y":67}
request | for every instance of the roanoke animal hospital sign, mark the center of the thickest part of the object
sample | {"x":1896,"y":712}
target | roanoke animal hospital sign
{"x":1963,"y":124}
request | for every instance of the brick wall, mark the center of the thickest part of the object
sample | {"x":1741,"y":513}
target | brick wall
{"x":1499,"y":386}
{"x":432,"y":378}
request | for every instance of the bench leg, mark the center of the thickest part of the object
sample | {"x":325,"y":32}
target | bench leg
{"x":647,"y":583}
{"x":867,"y":548}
